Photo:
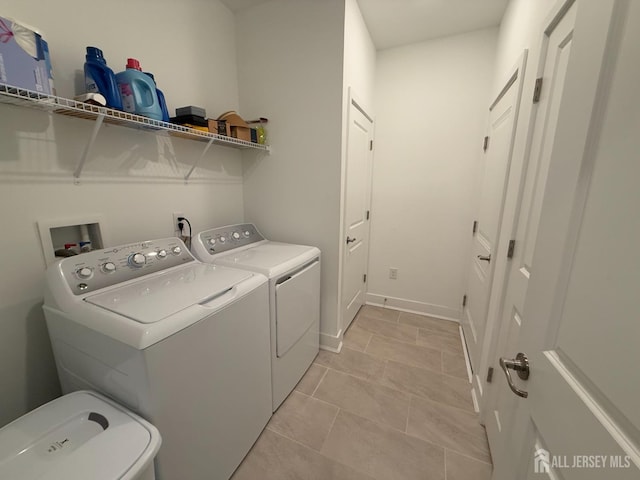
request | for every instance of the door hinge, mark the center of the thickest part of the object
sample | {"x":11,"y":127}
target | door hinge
{"x":464,"y":300}
{"x":512,"y":247}
{"x":475,"y":226}
{"x":489,"y":374}
{"x":537,"y":90}
{"x":485,"y":144}
{"x":370,"y":145}
{"x":368,"y":214}
{"x":364,"y":278}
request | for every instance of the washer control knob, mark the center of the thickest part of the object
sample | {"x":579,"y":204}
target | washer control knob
{"x":137,"y":260}
{"x":84,"y":272}
{"x":109,"y":267}
{"x":176,"y":250}
{"x":222,"y":239}
{"x":236,"y":235}
{"x":211,"y":241}
{"x":246,"y":233}
{"x":162,"y":253}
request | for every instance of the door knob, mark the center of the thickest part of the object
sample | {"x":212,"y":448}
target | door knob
{"x":521,"y":365}
{"x":350,"y":240}
{"x":486,"y":258}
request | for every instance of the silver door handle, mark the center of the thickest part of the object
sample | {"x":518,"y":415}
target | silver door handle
{"x":486,"y":258}
{"x":521,"y":365}
{"x":350,"y":240}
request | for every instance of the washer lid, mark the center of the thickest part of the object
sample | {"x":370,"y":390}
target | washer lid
{"x":161,"y":295}
{"x":270,"y":258}
{"x":79,"y":435}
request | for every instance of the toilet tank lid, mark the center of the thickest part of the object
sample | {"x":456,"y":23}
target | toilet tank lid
{"x":79,"y":435}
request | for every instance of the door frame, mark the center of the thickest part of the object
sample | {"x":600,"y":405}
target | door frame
{"x":515,"y":75}
{"x":352,"y":100}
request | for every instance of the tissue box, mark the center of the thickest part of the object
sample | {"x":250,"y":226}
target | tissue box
{"x":24,"y":58}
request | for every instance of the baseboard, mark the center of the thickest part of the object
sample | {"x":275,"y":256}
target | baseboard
{"x":330,"y":342}
{"x":411,"y":306}
{"x":474,"y":380}
{"x":474,"y":398}
{"x":465,"y":352}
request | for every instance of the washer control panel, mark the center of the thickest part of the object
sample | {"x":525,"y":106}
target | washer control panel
{"x":227,"y":238}
{"x":91,"y":271}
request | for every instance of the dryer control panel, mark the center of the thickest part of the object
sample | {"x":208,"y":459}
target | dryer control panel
{"x":92,"y":271}
{"x":227,"y":238}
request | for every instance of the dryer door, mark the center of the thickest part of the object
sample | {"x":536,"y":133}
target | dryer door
{"x":297,"y":305}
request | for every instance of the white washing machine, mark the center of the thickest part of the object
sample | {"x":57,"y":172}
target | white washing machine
{"x":294,"y":295}
{"x":182,"y":343}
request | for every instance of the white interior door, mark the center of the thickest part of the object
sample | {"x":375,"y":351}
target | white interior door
{"x":580,"y":319}
{"x":356,"y":211}
{"x":554,"y":57}
{"x":502,"y":123}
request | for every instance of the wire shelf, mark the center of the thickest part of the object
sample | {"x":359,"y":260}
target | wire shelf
{"x":64,"y":106}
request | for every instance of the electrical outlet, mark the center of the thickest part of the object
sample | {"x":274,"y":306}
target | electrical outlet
{"x":176,"y":229}
{"x":393,"y":273}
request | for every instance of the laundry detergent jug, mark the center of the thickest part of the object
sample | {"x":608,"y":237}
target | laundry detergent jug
{"x":138,"y":91}
{"x":98,"y":78}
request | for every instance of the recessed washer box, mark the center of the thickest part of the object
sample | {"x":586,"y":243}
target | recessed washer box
{"x":55,"y":233}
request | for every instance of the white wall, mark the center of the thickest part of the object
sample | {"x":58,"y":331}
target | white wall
{"x":132,"y":177}
{"x":290,"y":70}
{"x":431,"y":107}
{"x":519,"y":29}
{"x":359,"y":56}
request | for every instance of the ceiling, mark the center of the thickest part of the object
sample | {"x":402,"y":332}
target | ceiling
{"x":393,"y":23}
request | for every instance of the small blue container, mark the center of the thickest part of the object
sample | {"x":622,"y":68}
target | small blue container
{"x":98,"y":78}
{"x":138,"y":91}
{"x":161,"y":99}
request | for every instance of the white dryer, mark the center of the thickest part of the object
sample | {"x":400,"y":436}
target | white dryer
{"x":182,"y":343}
{"x":294,"y":295}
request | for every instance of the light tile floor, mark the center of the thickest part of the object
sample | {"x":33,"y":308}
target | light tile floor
{"x":394,"y":404}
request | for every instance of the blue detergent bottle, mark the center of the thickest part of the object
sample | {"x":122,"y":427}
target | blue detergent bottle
{"x":98,"y":78}
{"x":161,"y":99}
{"x":138,"y":91}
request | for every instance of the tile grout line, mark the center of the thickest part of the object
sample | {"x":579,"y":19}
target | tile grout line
{"x":316,"y":399}
{"x":400,"y":312}
{"x":378,"y":382}
{"x":367,"y":345}
{"x":437,"y":444}
{"x":468,"y":456}
{"x":333,"y":422}
{"x":445,"y":464}
{"x":318,"y":452}
{"x":407,"y":342}
{"x":406,"y":425}
{"x":321,"y":379}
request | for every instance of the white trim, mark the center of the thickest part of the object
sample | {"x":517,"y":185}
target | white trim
{"x":412,"y":306}
{"x":476,"y":407}
{"x":597,"y":410}
{"x":465,"y":352}
{"x":331,"y":343}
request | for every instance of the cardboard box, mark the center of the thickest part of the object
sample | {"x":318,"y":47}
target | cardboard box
{"x":218,"y":126}
{"x":241,"y":133}
{"x":236,"y":127}
{"x":24,"y":58}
